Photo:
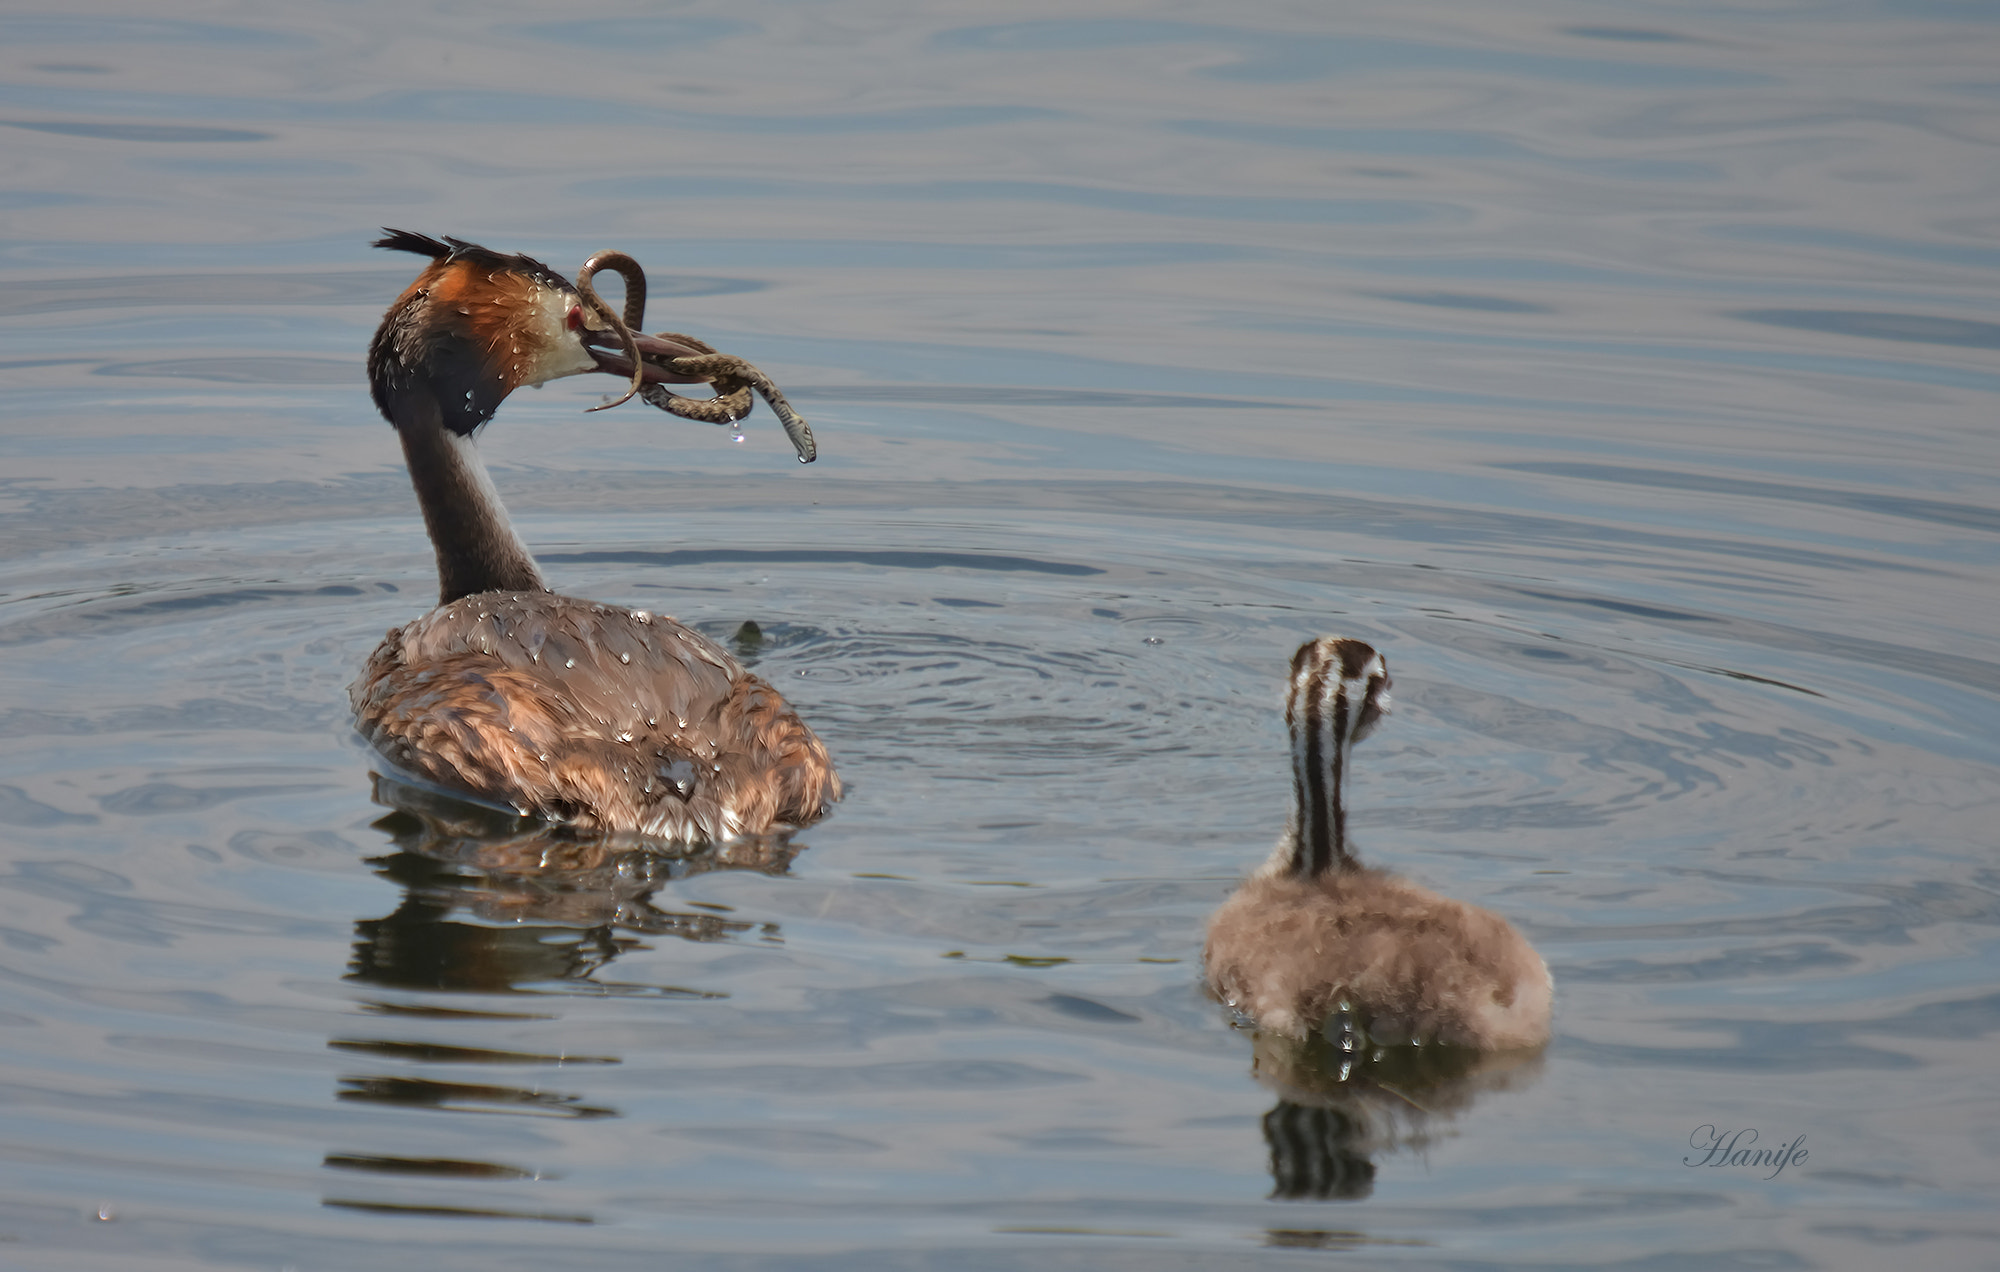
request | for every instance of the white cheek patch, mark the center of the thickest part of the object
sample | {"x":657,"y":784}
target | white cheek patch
{"x":548,"y":348}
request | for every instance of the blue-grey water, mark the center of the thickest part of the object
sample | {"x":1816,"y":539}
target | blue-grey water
{"x":1627,"y":372}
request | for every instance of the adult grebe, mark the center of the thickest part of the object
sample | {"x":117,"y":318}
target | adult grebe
{"x":1313,"y":931}
{"x":596,"y":716}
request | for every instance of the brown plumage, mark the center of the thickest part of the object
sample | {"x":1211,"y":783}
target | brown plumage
{"x":1313,"y":932}
{"x":591,"y":715}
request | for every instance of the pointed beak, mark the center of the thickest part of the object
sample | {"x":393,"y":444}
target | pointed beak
{"x":655,"y":353}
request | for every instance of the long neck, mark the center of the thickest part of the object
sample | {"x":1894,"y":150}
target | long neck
{"x":1321,"y":736}
{"x":477,"y":550}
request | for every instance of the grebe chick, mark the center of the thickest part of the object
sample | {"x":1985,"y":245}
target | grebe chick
{"x":1314,"y":931}
{"x":596,"y":716}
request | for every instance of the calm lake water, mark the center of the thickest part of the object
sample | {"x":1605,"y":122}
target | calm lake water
{"x":1626,"y":372}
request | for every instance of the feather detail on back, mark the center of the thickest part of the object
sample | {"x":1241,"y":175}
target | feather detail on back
{"x":1287,"y":951}
{"x":592,"y":715}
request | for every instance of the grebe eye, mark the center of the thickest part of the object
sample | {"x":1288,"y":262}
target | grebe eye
{"x":575,"y":318}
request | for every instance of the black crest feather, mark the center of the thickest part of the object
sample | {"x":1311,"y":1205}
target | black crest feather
{"x":406,"y":241}
{"x":450,"y":249}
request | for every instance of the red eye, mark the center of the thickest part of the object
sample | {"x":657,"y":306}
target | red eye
{"x":576,"y":318}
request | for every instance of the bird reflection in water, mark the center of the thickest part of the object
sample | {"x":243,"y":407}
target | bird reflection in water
{"x":540,"y":905}
{"x":1342,"y":1102}
{"x":495,"y":904}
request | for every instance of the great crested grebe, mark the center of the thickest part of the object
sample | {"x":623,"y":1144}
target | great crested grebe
{"x":1314,"y":932}
{"x":596,"y":716}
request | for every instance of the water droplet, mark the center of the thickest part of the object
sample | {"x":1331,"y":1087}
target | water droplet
{"x":624,"y":658}
{"x":1154,"y":640}
{"x":569,"y":662}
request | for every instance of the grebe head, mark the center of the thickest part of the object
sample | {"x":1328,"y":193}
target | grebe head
{"x":478,"y":324}
{"x":1339,"y":691}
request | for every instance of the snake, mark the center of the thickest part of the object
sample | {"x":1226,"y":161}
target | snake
{"x":732,"y":378}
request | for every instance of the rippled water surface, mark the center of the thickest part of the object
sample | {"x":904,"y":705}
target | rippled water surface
{"x":1626,"y":372}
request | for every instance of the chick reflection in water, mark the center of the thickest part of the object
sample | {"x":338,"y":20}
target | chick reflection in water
{"x":1359,"y":983}
{"x":1342,"y":1103}
{"x":494,"y":902}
